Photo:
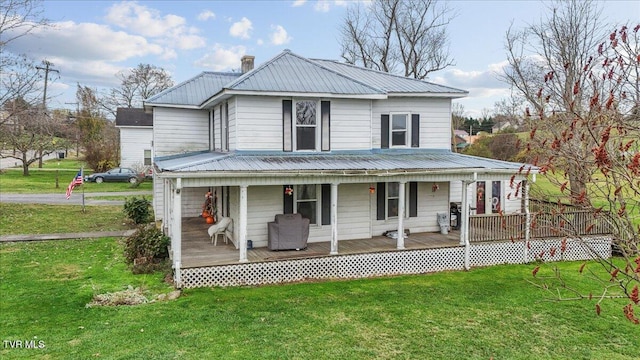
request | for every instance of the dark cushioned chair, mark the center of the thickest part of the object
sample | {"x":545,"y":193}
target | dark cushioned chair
{"x":288,"y":232}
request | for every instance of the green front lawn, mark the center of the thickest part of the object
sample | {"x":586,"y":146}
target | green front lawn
{"x":47,"y":219}
{"x":485,"y":313}
{"x":41,"y":181}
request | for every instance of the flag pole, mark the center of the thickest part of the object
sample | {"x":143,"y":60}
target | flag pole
{"x":82,"y":176}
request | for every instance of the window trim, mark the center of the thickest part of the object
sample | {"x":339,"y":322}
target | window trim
{"x":316,"y":126}
{"x":387,"y":198}
{"x":408,"y":126}
{"x":317,"y":200}
{"x":144,"y":157}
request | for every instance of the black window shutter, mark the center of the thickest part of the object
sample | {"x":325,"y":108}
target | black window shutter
{"x":413,"y":199}
{"x":287,"y":200}
{"x":325,"y":109}
{"x":326,"y":204}
{"x":287,"y":123}
{"x":381,"y":198}
{"x":384,"y":131}
{"x":415,"y":130}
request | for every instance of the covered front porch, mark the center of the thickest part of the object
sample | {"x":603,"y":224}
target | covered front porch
{"x":198,"y":251}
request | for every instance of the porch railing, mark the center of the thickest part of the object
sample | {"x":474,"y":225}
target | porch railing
{"x":495,"y":227}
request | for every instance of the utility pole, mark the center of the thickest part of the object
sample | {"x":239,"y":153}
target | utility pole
{"x":47,"y":68}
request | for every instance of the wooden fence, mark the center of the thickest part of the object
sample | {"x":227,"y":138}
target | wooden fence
{"x":495,"y":227}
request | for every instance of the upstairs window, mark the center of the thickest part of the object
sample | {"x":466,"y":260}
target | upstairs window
{"x":399,"y":129}
{"x":306,"y":125}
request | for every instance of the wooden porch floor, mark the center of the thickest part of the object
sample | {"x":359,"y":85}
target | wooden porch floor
{"x":198,"y":251}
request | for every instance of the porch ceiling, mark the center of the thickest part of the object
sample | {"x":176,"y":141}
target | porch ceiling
{"x":368,"y":162}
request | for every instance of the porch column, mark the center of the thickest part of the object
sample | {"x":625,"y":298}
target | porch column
{"x":242,"y":224}
{"x":464,"y":212}
{"x":401,"y":199}
{"x":176,"y":231}
{"x":165,"y":205}
{"x":464,"y":226}
{"x":334,"y":219}
{"x":527,"y":216}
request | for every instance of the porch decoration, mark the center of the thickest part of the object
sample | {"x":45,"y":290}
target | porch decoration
{"x":372,"y":190}
{"x":208,"y":208}
{"x":288,"y":191}
{"x":435,"y":187}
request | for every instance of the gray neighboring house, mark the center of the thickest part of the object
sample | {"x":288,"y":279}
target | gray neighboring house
{"x":136,"y":138}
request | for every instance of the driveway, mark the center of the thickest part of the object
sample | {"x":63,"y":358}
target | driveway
{"x":76,"y":198}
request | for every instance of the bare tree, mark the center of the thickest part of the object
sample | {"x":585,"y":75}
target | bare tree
{"x":19,"y":18}
{"x":396,"y":36}
{"x":137,"y":84}
{"x":98,"y":136}
{"x":609,"y":131}
{"x":29,"y":131}
{"x":558,"y":55}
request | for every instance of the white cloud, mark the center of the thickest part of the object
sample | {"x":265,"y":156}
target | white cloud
{"x":260,"y":42}
{"x":169,"y":30}
{"x":325,"y":5}
{"x":297,"y":3}
{"x":279,"y":35}
{"x":221,"y":58}
{"x":322,"y":6}
{"x":241,"y":29}
{"x":84,"y":41}
{"x":206,"y":15}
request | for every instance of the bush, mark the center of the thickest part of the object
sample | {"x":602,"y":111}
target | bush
{"x":138,"y":209}
{"x":146,"y":250}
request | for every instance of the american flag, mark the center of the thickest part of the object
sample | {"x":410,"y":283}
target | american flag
{"x":75,"y":182}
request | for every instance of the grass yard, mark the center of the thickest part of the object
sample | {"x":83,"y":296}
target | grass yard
{"x":482,"y":314}
{"x":42,"y":181}
{"x":28,"y":219}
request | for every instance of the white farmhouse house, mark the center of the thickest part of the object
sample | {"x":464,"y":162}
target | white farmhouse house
{"x":136,"y":137}
{"x":356,"y":151}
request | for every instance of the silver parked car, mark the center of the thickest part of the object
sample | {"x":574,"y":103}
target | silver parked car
{"x":116,"y":175}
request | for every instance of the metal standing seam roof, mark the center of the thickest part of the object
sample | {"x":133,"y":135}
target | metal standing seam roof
{"x":194,"y":91}
{"x":372,"y":160}
{"x":291,"y":73}
{"x":390,"y":83}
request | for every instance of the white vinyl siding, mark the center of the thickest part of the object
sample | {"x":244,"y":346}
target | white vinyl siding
{"x":266,"y":202}
{"x":435,"y":119}
{"x":430,"y":203}
{"x":350,"y":124}
{"x":178,"y":130}
{"x":233,"y":111}
{"x":133,"y":142}
{"x":260,"y":123}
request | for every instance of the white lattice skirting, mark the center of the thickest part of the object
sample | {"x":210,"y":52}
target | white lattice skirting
{"x":393,"y":263}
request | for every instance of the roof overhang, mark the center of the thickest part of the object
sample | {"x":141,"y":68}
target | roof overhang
{"x":429,"y":95}
{"x":227,"y":93}
{"x":351,"y":166}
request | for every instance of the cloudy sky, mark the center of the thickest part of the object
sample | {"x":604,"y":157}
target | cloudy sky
{"x":90,"y":41}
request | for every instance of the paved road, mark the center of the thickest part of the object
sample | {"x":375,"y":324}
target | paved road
{"x":11,"y":162}
{"x":76,"y":198}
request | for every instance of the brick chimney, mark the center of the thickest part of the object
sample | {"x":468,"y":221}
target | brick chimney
{"x":247,"y":63}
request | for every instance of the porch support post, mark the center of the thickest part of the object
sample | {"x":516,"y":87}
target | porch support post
{"x":165,"y":205}
{"x":401,"y":200}
{"x":242,"y":224}
{"x":527,"y":217}
{"x":464,"y":228}
{"x":334,"y":219}
{"x":176,"y":237}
